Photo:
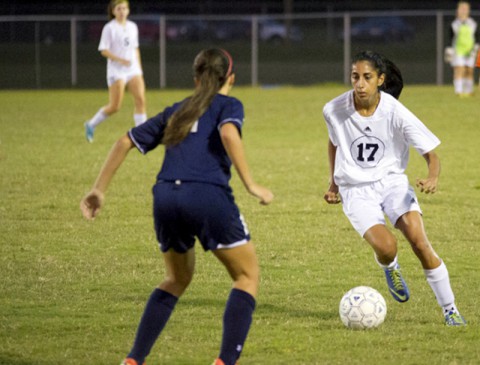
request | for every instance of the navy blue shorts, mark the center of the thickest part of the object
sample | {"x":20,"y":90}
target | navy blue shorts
{"x":185,"y":210}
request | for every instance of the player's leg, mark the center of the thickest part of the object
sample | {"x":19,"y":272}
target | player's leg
{"x":458,"y":79}
{"x":411,"y":225}
{"x":115,"y":92}
{"x":179,"y":272}
{"x":242,"y":265}
{"x":436,"y":273}
{"x":384,"y":245}
{"x":363,"y":207}
{"x":468,"y":80}
{"x":136,"y":86}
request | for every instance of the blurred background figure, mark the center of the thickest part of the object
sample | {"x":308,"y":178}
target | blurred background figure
{"x":463,"y":51}
{"x":119,"y":45}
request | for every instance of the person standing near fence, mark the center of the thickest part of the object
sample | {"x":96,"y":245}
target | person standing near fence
{"x":119,"y":44}
{"x":463,"y":30}
{"x":192,"y":198}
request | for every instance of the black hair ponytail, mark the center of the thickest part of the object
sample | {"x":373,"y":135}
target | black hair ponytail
{"x":211,"y":68}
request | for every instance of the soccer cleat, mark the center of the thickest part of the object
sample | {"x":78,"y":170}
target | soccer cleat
{"x":454,"y":319}
{"x":130,"y":361}
{"x":220,"y":362}
{"x":396,"y":284}
{"x":89,"y":132}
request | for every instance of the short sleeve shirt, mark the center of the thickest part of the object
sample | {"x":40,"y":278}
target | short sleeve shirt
{"x":122,"y":41}
{"x":369,"y":148}
{"x":200,"y":157}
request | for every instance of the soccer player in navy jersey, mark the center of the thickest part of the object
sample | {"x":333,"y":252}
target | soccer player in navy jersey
{"x":192,"y":198}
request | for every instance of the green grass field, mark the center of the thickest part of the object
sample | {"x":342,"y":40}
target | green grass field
{"x":72,"y":291}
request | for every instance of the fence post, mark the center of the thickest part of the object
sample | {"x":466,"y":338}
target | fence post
{"x":73,"y":50}
{"x":440,"y":47}
{"x":163,"y":57}
{"x":347,"y":47}
{"x":254,"y":50}
{"x":37,"y":55}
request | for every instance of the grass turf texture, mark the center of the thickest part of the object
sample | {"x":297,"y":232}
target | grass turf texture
{"x":73,"y":291}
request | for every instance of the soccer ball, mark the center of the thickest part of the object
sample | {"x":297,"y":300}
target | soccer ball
{"x":362,"y":307}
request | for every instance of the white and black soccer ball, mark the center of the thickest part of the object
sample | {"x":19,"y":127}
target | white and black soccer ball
{"x":362,"y":307}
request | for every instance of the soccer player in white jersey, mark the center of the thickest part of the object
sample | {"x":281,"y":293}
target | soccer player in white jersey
{"x":370,"y":135}
{"x":119,"y":44}
{"x":464,"y":50}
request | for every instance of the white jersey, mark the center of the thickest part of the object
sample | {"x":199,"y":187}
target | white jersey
{"x":122,"y":41}
{"x":370,"y":148}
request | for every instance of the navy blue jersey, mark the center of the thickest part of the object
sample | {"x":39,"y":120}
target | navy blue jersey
{"x":200,"y":157}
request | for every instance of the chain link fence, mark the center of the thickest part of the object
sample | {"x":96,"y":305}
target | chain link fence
{"x":61,"y":51}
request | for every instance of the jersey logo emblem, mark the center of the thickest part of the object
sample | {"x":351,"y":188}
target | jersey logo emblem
{"x":367,"y":151}
{"x":194,"y":128}
{"x":367,"y":130}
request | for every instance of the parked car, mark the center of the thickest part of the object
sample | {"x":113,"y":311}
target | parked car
{"x":269,"y":30}
{"x":388,"y":28}
{"x":149,"y":30}
{"x":188,"y":30}
{"x":274,"y":31}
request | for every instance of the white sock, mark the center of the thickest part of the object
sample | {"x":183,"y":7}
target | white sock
{"x":458,"y":86}
{"x":391,"y":265}
{"x":468,"y":86}
{"x":439,"y":281}
{"x":139,"y":118}
{"x":97,"y":118}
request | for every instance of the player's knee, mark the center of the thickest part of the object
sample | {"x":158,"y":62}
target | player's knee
{"x":115,"y":108}
{"x":250,"y":277}
{"x":386,"y":251}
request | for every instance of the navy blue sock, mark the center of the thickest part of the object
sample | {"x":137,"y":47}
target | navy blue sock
{"x":155,"y":316}
{"x":236,"y":323}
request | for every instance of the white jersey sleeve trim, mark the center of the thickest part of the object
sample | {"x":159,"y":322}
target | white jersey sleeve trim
{"x":130,"y":134}
{"x":235,"y":121}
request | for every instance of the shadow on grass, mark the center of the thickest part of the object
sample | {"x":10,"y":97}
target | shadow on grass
{"x":296,"y":312}
{"x":265,"y":308}
{"x":9,"y":360}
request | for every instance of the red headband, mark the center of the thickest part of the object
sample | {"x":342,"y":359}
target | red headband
{"x":230,"y":62}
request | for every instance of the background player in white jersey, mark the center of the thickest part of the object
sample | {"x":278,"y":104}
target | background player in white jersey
{"x":463,"y":50}
{"x":370,"y":134}
{"x":119,"y":44}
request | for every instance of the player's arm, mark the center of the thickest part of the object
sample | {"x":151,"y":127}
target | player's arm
{"x":107,"y":54}
{"x":93,"y":201}
{"x":139,"y":57}
{"x":234,"y":146}
{"x":430,"y":184}
{"x":331,"y":196}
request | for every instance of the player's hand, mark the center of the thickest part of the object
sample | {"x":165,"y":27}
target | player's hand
{"x":91,"y":204}
{"x":264,"y":194}
{"x":125,"y":62}
{"x":427,"y":186}
{"x":332,"y":196}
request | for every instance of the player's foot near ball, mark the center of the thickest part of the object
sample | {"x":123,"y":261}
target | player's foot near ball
{"x":220,"y":362}
{"x":130,"y":361}
{"x":453,"y":319}
{"x":89,"y":132}
{"x":397,"y":286}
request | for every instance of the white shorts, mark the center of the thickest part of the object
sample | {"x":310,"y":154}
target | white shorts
{"x":366,"y":205}
{"x":125,"y":74}
{"x":464,"y":61}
